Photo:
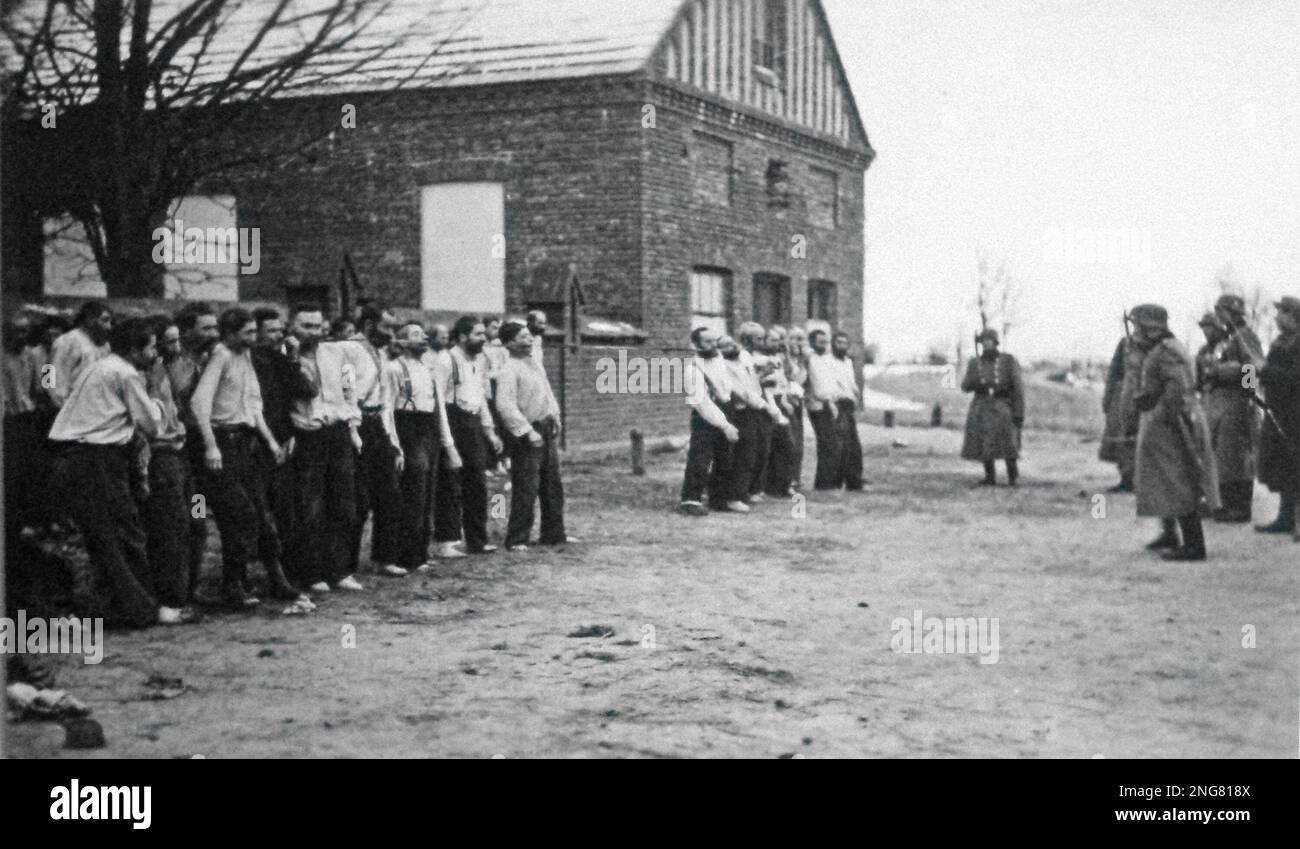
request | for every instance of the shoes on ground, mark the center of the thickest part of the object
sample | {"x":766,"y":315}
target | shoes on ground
{"x":350,"y":584}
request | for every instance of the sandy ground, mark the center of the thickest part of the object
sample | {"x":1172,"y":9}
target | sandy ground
{"x":767,"y":635}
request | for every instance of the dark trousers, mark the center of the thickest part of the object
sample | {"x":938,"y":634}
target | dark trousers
{"x":764,"y":429}
{"x":462,"y":500}
{"x":422,"y":447}
{"x":709,"y":462}
{"x":780,"y":473}
{"x":197,"y":535}
{"x":377,"y":493}
{"x":750,"y":423}
{"x":166,"y":518}
{"x":534,"y":474}
{"x":94,"y":483}
{"x":839,"y":450}
{"x":325,"y":493}
{"x":277,"y":483}
{"x":796,"y":441}
{"x":24,"y":472}
{"x":237,"y":495}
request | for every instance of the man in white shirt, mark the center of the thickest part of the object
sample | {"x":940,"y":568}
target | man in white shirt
{"x":327,"y":440}
{"x":227,"y":407}
{"x":462,"y":500}
{"x":426,"y":443}
{"x":380,"y":461}
{"x":833,"y":399}
{"x":77,"y":349}
{"x":93,"y":434}
{"x":709,"y":459}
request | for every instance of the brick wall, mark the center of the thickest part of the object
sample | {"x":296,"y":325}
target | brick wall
{"x":593,"y":416}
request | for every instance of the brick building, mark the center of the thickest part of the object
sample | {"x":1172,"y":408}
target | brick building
{"x":685,"y":161}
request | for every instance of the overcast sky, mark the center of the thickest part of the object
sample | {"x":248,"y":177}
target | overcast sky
{"x":1030,"y":128}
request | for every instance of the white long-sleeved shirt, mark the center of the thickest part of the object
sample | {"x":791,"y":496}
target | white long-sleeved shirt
{"x":71,"y":354}
{"x":524,"y":395}
{"x":463,"y":381}
{"x":708,"y":383}
{"x":411,"y":387}
{"x":830,"y":379}
{"x":108,"y":404}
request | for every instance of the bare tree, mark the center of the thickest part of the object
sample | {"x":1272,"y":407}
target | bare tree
{"x":115,"y":108}
{"x":998,"y":296}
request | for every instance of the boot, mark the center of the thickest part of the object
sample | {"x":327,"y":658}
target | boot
{"x":277,"y":584}
{"x":1285,"y":521}
{"x":1193,"y":547}
{"x":1168,"y":536}
{"x":1236,"y":497}
{"x":1013,"y":471}
{"x":990,"y":474}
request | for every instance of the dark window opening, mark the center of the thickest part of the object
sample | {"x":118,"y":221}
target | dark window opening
{"x":771,"y":299}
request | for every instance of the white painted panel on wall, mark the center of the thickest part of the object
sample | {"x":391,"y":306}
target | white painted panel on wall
{"x":462,"y":247}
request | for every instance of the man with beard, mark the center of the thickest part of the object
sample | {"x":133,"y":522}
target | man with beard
{"x":497,"y":355}
{"x":997,"y":412}
{"x":426,"y":443}
{"x":1231,"y":352}
{"x":79,"y":348}
{"x":462,"y":497}
{"x":93,"y":433}
{"x":381,"y":459}
{"x":280,"y":378}
{"x":1279,"y":449}
{"x":796,"y":378}
{"x":327,"y":437}
{"x":1175,"y":477}
{"x":197,"y":323}
{"x":227,"y":407}
{"x":709,"y":459}
{"x":536,"y":321}
{"x":832,"y":407}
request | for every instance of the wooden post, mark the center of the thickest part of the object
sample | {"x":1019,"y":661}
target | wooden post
{"x":638,"y":452}
{"x":936,"y":415}
{"x":889,"y":418}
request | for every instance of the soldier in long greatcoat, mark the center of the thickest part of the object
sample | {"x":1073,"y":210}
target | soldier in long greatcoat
{"x":1279,"y":449}
{"x":1175,"y":478}
{"x":1224,"y":366}
{"x":998,"y":411}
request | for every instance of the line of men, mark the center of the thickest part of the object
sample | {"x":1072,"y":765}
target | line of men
{"x":748,"y":397}
{"x":288,"y":440}
{"x":1190,"y":434}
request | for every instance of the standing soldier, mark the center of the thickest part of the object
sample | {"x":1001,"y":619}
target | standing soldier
{"x":197,"y":323}
{"x":427,"y":447}
{"x":1119,"y":442}
{"x":1225,"y":365}
{"x":1279,"y":450}
{"x":997,"y":412}
{"x":1176,"y":479}
{"x":713,"y":435}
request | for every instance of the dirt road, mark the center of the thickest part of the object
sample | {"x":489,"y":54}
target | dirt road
{"x":767,"y":635}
